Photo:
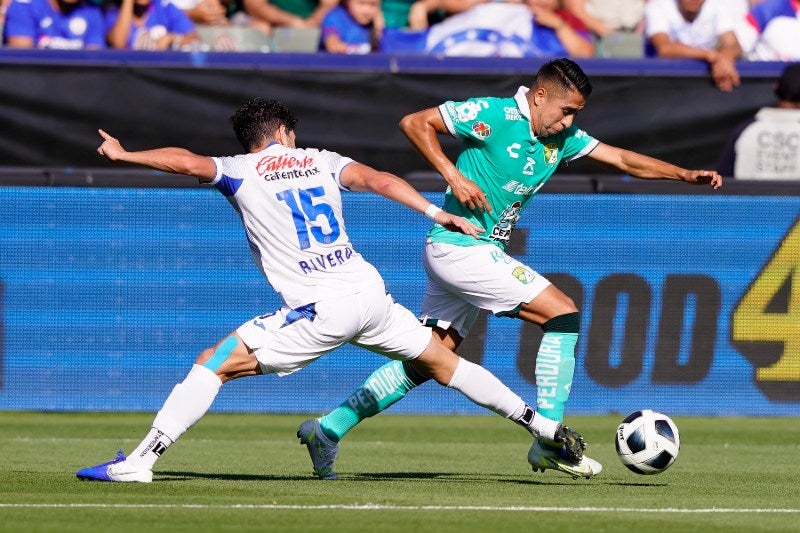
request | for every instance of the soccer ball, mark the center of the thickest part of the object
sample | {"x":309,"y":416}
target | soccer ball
{"x":647,"y":442}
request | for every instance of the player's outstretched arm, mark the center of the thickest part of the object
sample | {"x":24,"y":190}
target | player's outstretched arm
{"x":646,"y":167}
{"x":171,"y":159}
{"x":360,"y":177}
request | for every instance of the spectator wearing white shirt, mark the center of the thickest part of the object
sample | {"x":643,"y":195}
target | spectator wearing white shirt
{"x":698,"y":29}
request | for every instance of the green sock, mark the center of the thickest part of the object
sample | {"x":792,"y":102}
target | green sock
{"x":555,"y":365}
{"x":387,"y":385}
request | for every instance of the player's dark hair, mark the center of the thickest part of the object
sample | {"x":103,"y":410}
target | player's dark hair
{"x":259,"y":119}
{"x":566,"y":74}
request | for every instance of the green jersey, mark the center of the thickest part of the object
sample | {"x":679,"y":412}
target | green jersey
{"x":501,"y":155}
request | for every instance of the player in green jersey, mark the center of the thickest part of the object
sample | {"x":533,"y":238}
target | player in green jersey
{"x":510,"y":148}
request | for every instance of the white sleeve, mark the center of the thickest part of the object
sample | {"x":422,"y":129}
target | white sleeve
{"x":656,"y":18}
{"x":336,"y":162}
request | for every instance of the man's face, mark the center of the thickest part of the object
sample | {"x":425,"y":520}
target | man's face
{"x":553,"y":109}
{"x":690,"y":7}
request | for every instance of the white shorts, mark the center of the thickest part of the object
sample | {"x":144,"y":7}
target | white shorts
{"x":464,"y":279}
{"x":289,"y":339}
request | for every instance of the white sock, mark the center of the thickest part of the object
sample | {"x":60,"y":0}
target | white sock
{"x":538,"y":425}
{"x":186,"y":404}
{"x":483,"y":388}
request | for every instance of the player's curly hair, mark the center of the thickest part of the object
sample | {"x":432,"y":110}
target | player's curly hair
{"x":259,"y":119}
{"x":566,"y":74}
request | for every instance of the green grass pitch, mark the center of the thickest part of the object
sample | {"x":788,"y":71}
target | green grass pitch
{"x":398,"y":473}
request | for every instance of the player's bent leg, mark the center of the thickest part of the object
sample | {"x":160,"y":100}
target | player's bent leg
{"x":554,"y":370}
{"x":186,"y":404}
{"x":485,"y":389}
{"x":386,"y":386}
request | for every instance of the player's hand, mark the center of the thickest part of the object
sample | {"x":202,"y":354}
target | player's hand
{"x":111,"y":149}
{"x":704,"y":177}
{"x":457,"y":224}
{"x":469,"y":194}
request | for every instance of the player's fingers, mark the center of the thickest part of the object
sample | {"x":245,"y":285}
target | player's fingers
{"x":104,"y":135}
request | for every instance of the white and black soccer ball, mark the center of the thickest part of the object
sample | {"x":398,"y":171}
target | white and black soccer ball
{"x":647,"y":442}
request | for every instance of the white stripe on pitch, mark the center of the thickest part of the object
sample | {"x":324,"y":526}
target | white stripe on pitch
{"x":377,"y":507}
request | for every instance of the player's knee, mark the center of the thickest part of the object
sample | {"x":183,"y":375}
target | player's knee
{"x":216,"y":357}
{"x":564,"y":323}
{"x":204,"y":356}
{"x":568,"y":305}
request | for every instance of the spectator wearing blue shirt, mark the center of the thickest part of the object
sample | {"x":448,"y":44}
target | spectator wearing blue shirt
{"x":354,"y":27}
{"x":60,"y":24}
{"x":149,"y":25}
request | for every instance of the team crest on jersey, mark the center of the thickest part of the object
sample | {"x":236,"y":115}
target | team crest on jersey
{"x":551,"y":153}
{"x":522,"y":274}
{"x":481,"y":129}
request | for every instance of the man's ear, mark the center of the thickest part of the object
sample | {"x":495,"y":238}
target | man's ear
{"x":539,"y":95}
{"x":281,"y":135}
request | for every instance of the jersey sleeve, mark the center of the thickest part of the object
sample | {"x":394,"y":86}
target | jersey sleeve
{"x":469,"y":119}
{"x":20,"y":21}
{"x":656,"y":19}
{"x":229,"y":176}
{"x":336,"y":162}
{"x":577,"y":143}
{"x":96,"y":32}
{"x":179,"y":22}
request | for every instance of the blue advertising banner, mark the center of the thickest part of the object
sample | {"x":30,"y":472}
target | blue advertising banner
{"x":690,"y":304}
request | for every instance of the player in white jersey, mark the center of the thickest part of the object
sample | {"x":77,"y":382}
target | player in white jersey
{"x":290,"y":205}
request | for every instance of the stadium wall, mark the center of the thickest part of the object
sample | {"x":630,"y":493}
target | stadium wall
{"x":689,"y":302}
{"x":54,"y":101}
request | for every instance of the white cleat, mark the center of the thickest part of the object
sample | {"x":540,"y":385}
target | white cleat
{"x":542,"y":457}
{"x":116,"y":470}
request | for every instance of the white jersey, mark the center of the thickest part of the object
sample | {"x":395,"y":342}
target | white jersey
{"x":290,"y":204}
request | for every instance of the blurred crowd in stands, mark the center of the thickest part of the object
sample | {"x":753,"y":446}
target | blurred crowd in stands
{"x":719,"y":32}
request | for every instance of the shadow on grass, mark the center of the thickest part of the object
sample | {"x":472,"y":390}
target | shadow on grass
{"x":186,"y":476}
{"x":621,"y":484}
{"x":451,"y":477}
{"x":448,"y":477}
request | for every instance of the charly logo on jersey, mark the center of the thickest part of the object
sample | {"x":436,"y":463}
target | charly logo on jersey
{"x":524,"y":275}
{"x":551,"y":153}
{"x":284,"y":166}
{"x":501,"y":232}
{"x":481,"y":129}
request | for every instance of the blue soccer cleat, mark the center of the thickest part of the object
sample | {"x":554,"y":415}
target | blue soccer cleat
{"x":118,"y":469}
{"x":320,"y":448}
